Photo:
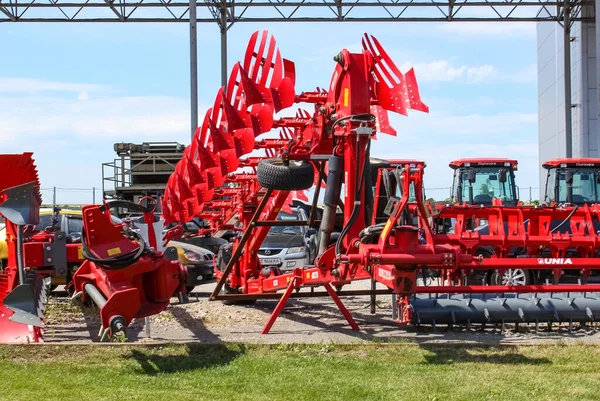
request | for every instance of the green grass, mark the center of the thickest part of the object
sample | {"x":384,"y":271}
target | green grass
{"x":300,"y":372}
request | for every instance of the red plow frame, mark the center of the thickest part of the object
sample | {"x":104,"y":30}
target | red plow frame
{"x":217,"y":182}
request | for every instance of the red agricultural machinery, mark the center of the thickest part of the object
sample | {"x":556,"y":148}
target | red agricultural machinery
{"x":373,"y":222}
{"x":124,"y":273}
{"x":404,"y":244}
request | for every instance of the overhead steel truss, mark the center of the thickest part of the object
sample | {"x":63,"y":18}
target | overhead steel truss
{"x":226,"y":13}
{"x":232,"y":11}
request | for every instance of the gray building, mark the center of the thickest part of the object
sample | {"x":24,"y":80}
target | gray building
{"x":552,"y":135}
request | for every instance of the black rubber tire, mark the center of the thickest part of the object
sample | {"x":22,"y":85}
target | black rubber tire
{"x":223,"y":257}
{"x":273,"y":174}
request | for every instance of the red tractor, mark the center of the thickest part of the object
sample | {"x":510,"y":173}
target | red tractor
{"x":485,"y":181}
{"x":572,"y":181}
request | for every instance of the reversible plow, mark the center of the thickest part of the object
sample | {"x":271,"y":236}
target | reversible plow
{"x":427,"y":257}
{"x":484,"y":258}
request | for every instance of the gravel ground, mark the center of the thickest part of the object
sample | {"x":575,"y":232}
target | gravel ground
{"x":315,"y":320}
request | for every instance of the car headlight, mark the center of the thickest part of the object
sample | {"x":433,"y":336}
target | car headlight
{"x":298,"y":249}
{"x":193,"y":256}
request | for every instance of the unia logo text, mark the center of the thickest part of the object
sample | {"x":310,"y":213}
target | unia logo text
{"x":554,"y":261}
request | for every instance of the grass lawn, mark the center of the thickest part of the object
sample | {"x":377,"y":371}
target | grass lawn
{"x":299,"y":372}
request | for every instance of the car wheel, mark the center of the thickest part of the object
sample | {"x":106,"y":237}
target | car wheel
{"x":511,"y":277}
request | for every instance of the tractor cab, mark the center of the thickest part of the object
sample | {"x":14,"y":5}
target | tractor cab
{"x":574,"y":181}
{"x":489,"y":182}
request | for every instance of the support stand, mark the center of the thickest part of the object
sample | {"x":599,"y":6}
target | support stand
{"x":286,"y":296}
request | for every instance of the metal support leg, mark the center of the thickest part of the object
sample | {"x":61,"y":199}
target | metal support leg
{"x":280,"y":305}
{"x":567,"y":78}
{"x":373,"y":296}
{"x":240,"y":247}
{"x":193,"y":68}
{"x":341,"y":307}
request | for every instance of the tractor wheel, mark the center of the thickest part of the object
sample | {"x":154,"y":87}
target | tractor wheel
{"x":273,"y":174}
{"x":223,"y":257}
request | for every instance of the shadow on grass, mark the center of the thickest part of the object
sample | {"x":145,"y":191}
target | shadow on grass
{"x":194,"y":357}
{"x":449,"y":354}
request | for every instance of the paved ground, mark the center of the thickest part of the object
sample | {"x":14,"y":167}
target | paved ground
{"x":315,"y":320}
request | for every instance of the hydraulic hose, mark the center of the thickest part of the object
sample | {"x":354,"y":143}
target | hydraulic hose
{"x":116,"y":262}
{"x":357,"y":202}
{"x":565,"y":220}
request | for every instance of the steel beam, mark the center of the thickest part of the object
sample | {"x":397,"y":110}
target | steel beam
{"x":223,"y":27}
{"x":193,"y":67}
{"x":567,"y":78}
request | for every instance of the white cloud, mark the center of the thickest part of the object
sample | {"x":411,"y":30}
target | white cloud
{"x":448,"y":71}
{"x":34,"y":86}
{"x":105,"y":118}
{"x":448,"y":125}
{"x":438,"y":138}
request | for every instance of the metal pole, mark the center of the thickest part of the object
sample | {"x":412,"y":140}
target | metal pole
{"x":373,"y":296}
{"x":147,"y":324}
{"x":567,"y":78}
{"x":193,"y":68}
{"x":530,"y":194}
{"x":53,"y":197}
{"x":93,"y":195}
{"x":223,"y":43}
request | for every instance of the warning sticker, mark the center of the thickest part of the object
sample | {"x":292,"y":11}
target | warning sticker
{"x":315,"y":275}
{"x":114,"y":251}
{"x":275,"y":283}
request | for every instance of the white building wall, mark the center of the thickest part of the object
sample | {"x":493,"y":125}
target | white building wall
{"x":584,"y":92}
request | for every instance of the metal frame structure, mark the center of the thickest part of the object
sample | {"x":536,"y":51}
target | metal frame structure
{"x":226,"y":13}
{"x":229,"y":12}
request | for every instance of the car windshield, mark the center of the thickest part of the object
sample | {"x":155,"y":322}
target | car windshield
{"x":291,"y":230}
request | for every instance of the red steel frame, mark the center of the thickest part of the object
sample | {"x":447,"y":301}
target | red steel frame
{"x":368,"y":83}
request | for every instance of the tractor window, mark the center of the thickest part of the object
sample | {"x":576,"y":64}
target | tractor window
{"x":486,"y":187}
{"x":551,"y":185}
{"x":585,"y":185}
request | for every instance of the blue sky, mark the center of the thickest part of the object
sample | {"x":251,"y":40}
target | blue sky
{"x":69,"y":91}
